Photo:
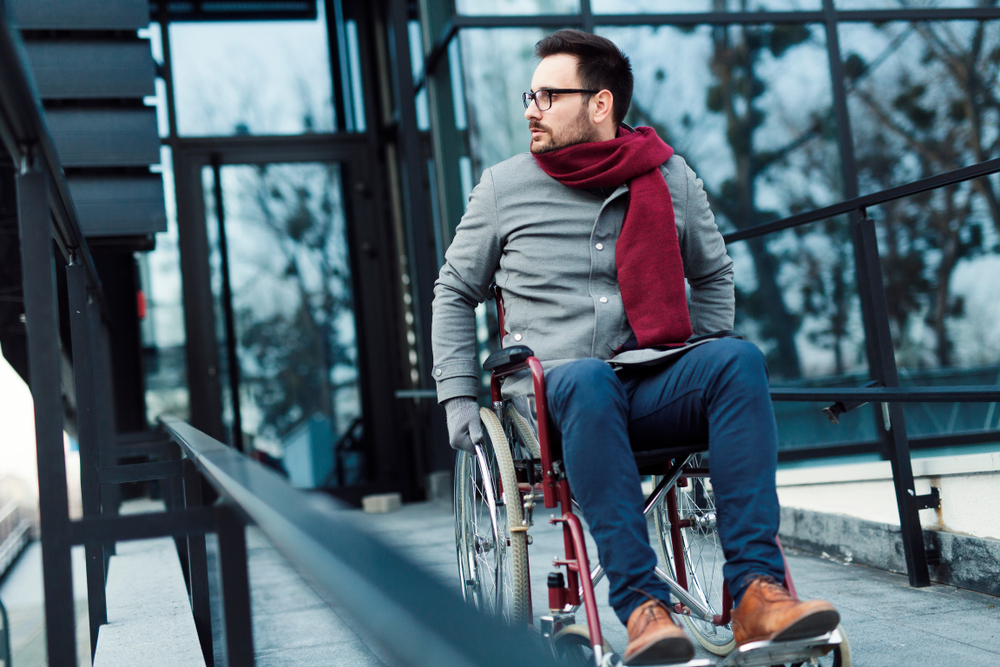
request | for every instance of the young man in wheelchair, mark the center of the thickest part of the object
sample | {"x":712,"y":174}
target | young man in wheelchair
{"x":590,"y":237}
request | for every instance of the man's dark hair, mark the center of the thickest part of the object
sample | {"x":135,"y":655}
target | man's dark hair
{"x":601,"y":65}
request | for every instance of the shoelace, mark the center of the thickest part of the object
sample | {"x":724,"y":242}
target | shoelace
{"x":650,"y":614}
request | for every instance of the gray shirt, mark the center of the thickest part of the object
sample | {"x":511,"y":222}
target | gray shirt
{"x":551,"y":251}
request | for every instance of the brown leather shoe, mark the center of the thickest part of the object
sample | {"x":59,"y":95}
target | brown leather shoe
{"x":768,"y":611}
{"x":654,"y":639}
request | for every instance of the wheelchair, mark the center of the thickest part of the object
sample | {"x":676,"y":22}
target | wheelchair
{"x":518,"y":468}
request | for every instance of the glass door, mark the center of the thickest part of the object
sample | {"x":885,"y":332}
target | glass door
{"x":286,"y":331}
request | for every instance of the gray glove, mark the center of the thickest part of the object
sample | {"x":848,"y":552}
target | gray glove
{"x":465,"y":430}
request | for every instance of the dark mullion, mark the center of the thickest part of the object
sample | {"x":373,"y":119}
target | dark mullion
{"x":729,"y":18}
{"x":875,"y":446}
{"x":167,"y":70}
{"x":432,"y":59}
{"x":965,"y":394}
{"x":587,"y":15}
{"x":337,"y":48}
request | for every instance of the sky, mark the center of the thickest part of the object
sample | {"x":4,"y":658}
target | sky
{"x":17,"y":446}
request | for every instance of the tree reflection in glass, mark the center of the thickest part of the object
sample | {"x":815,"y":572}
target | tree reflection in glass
{"x":292,"y":300}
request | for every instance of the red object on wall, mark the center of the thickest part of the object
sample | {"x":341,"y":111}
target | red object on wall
{"x":141,"y":302}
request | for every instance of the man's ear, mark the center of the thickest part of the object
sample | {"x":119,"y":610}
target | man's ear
{"x":601,"y":105}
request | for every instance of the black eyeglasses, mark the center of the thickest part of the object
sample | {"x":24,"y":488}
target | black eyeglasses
{"x":543,"y":97}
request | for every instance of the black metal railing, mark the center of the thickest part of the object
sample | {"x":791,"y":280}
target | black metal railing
{"x":48,"y":230}
{"x":15,"y":534}
{"x":414,"y":617}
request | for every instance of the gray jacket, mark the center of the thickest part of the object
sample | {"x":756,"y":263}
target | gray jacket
{"x":551,"y":251}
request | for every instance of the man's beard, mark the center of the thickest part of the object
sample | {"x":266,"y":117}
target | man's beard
{"x":580,"y":131}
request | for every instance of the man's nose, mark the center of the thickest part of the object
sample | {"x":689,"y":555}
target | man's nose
{"x":532,"y":112}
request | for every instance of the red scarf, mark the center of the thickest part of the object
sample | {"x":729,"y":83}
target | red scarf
{"x":648,"y":255}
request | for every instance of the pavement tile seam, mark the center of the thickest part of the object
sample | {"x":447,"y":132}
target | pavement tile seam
{"x":261,"y":653}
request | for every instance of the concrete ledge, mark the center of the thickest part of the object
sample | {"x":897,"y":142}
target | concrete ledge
{"x":149,"y":617}
{"x":967,"y":562}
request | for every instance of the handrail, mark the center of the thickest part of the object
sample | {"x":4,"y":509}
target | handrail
{"x":411,"y":613}
{"x":907,"y":190}
{"x":26,"y":138}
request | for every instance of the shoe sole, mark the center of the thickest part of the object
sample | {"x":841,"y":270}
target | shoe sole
{"x":817,"y":623}
{"x":668,"y":650}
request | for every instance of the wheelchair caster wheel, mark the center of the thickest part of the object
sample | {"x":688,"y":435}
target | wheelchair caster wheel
{"x":572,"y":648}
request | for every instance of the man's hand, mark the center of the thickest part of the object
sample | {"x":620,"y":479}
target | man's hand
{"x":465,"y":430}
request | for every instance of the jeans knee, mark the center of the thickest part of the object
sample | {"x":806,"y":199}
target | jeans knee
{"x":739,"y":353}
{"x":583,"y":379}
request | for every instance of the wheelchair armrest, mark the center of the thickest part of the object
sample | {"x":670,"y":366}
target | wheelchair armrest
{"x":507,"y":357}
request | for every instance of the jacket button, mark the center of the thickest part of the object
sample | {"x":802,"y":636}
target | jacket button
{"x":517,"y":336}
{"x":603,"y":299}
{"x":438,"y":372}
{"x":599,"y":246}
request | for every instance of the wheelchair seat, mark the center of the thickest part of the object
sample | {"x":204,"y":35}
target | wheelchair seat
{"x":651,"y":461}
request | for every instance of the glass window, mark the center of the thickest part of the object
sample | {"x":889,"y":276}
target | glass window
{"x":293,"y":311}
{"x":497,"y":65}
{"x":922,"y":102}
{"x":266,"y":77}
{"x":692,"y":6}
{"x":749,"y":108}
{"x":515,"y":7}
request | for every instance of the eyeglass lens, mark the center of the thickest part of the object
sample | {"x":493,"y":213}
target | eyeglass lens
{"x":543,"y":99}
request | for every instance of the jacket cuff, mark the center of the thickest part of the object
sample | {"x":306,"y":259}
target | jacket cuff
{"x":455,"y":387}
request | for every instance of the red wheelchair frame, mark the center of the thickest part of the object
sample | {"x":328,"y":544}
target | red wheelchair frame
{"x":673,"y":465}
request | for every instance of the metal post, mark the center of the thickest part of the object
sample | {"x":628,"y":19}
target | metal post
{"x":88,"y":434}
{"x":875,"y":315}
{"x":110,"y":493}
{"x":44,"y":368}
{"x":197,"y":558}
{"x":233,"y":360}
{"x":882,"y":362}
{"x":235,"y":587}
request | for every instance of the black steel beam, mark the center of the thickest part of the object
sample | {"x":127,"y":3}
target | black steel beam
{"x":45,"y":371}
{"x":875,"y":446}
{"x":194,"y":11}
{"x":228,"y":317}
{"x":418,"y":226}
{"x":726,"y":18}
{"x":151,"y":448}
{"x":88,"y":436}
{"x":969,"y":394}
{"x":337,"y":147}
{"x":140,"y":472}
{"x":197,"y":558}
{"x":235,"y":587}
{"x":126,"y":527}
{"x":859,"y":203}
{"x":431,"y":625}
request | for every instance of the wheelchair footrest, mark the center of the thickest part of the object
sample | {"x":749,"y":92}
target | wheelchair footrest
{"x":758,"y":654}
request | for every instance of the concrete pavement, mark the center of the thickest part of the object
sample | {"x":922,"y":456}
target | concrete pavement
{"x":888,"y":623}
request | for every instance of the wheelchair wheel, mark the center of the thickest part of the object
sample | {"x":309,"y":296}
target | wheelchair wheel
{"x":702,"y":559}
{"x":492,"y":560}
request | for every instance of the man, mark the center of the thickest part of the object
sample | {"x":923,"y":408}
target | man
{"x":590,"y":238}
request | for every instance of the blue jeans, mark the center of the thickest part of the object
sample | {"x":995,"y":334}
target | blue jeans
{"x":716,"y":392}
